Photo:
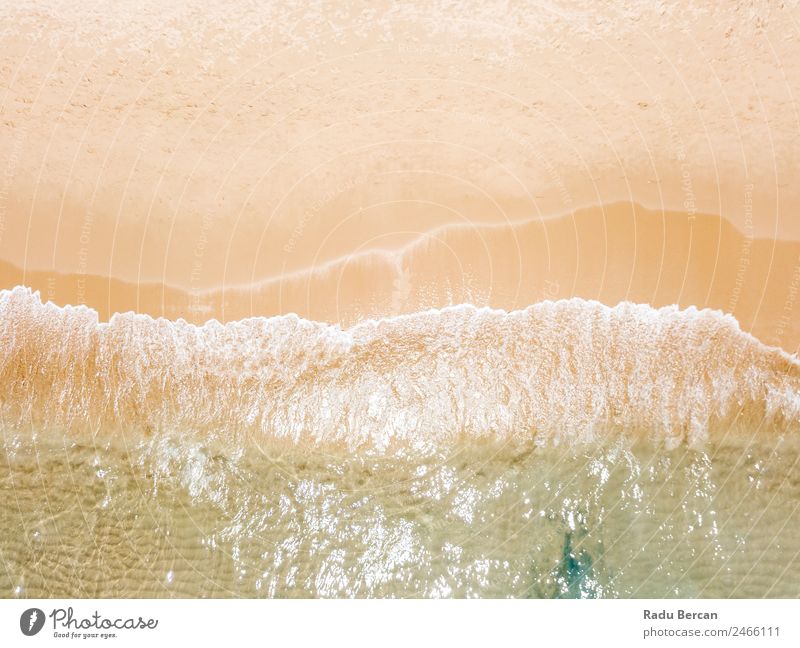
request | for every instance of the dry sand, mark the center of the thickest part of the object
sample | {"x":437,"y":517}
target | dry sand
{"x":222,"y":160}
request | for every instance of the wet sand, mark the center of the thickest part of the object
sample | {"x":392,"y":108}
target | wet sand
{"x":616,"y":253}
{"x":351,"y":161}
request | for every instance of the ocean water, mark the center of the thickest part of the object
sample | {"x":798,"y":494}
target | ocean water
{"x":568,"y":450}
{"x":599,"y":521}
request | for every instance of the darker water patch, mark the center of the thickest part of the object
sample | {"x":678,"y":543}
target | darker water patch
{"x":576,"y":577}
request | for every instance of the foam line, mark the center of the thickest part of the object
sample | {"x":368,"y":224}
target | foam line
{"x":556,"y":372}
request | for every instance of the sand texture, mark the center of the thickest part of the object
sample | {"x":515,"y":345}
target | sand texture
{"x":351,"y":159}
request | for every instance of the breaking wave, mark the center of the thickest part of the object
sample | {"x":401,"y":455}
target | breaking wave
{"x":556,"y":372}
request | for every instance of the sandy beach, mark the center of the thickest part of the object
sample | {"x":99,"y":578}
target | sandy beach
{"x":353,"y":161}
{"x":544,"y":261}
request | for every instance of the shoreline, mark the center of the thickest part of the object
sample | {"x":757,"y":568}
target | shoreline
{"x":609,"y":253}
{"x":205,"y":161}
{"x":551,"y":373}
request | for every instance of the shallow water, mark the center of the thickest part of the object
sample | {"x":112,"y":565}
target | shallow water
{"x":166,"y":518}
{"x":570,"y":449}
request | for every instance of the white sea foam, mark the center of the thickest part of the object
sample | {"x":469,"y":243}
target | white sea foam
{"x":556,"y":372}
